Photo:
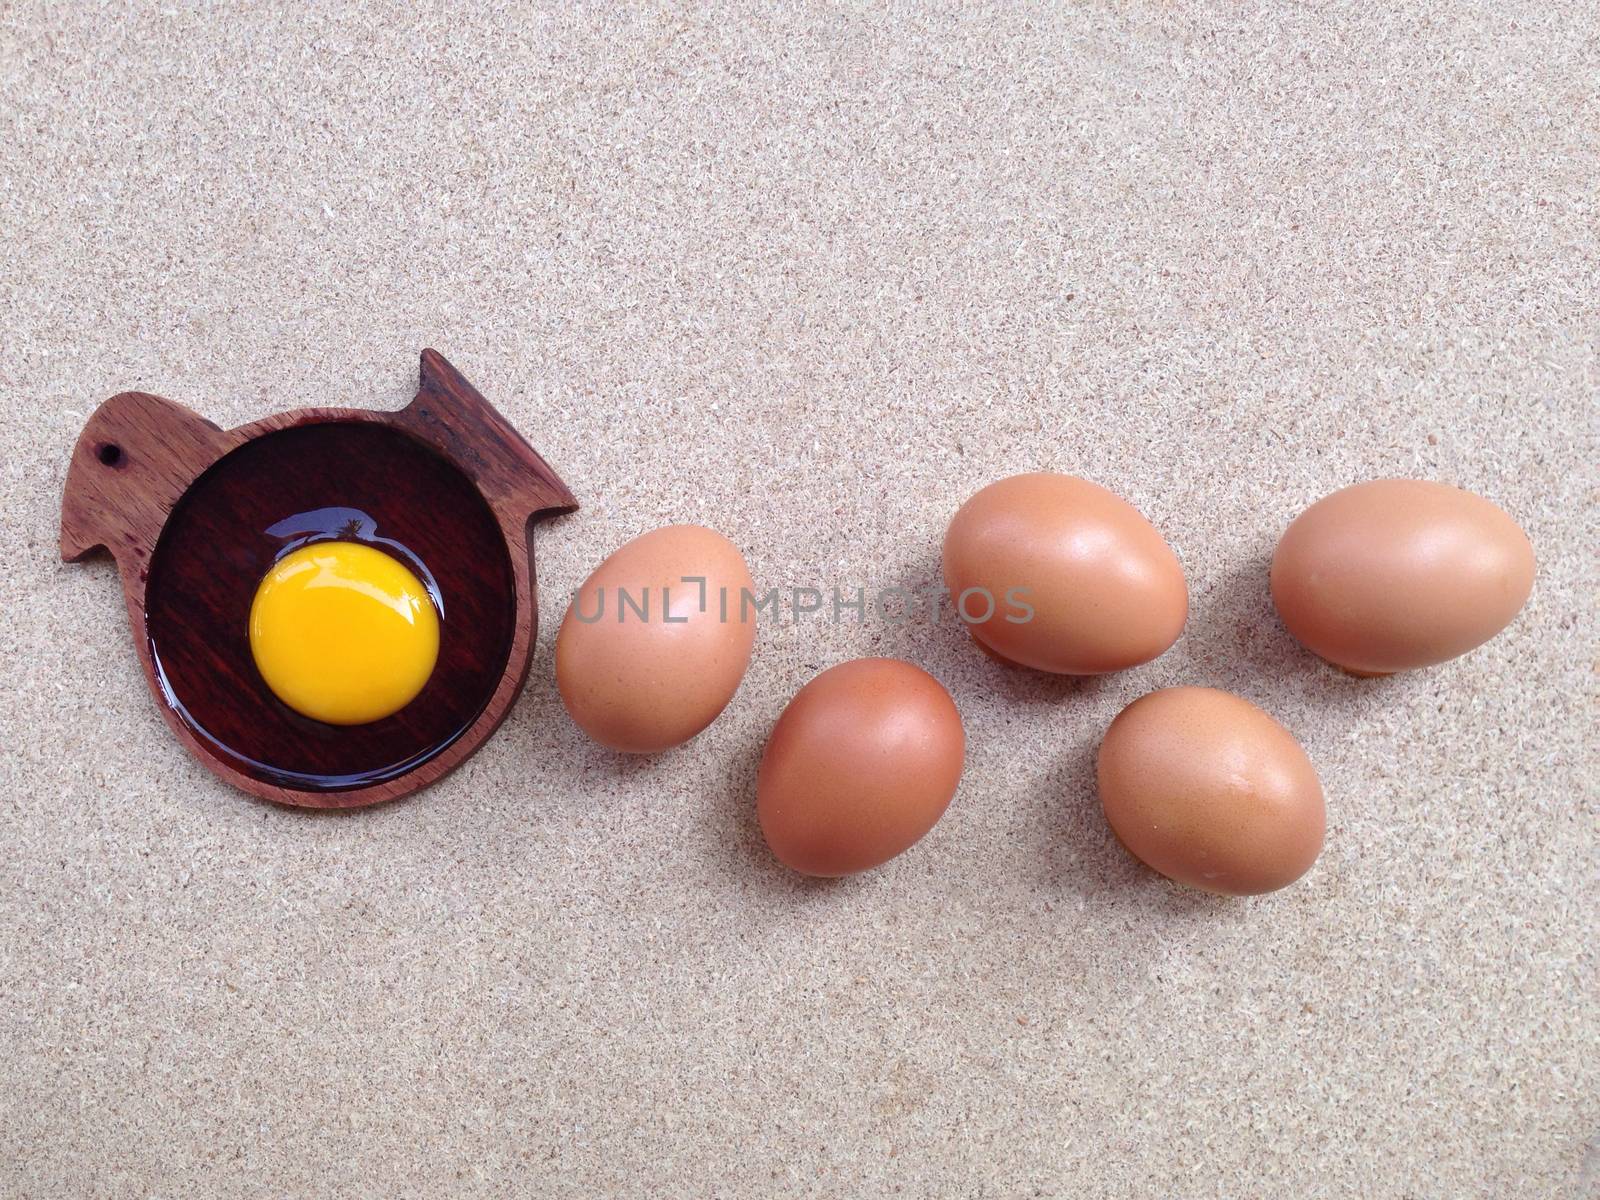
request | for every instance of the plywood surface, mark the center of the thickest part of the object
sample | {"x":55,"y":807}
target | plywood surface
{"x":812,"y":275}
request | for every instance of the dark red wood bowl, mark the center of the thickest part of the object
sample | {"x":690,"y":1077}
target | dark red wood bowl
{"x":195,"y":516}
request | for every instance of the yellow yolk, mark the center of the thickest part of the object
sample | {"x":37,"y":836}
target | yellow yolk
{"x":343,"y":633}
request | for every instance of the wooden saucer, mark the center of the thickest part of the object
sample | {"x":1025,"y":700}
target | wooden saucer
{"x":195,"y":516}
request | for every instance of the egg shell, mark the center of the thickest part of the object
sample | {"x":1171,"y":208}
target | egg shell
{"x":860,"y":765}
{"x":1105,"y":589}
{"x":1209,"y":790}
{"x":1397,"y":574}
{"x":644,"y":684}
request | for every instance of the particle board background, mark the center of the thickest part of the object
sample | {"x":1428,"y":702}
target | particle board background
{"x":811,"y":275}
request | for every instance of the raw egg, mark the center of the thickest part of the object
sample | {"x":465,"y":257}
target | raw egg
{"x":862,"y":763}
{"x":656,"y":641}
{"x":1057,"y":573}
{"x":343,"y":632}
{"x":1207,"y":789}
{"x":1400,"y":573}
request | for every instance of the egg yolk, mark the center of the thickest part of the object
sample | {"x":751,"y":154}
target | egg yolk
{"x":343,"y":633}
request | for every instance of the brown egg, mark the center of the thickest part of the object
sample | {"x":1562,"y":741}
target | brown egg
{"x":648,"y":655}
{"x":1211,"y":791}
{"x":1056,"y":573}
{"x":1400,"y":573}
{"x":862,"y":763}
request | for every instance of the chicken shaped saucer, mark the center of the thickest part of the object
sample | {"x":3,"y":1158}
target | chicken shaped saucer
{"x":333,"y":607}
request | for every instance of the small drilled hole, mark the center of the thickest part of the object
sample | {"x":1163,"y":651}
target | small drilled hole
{"x":110,"y":454}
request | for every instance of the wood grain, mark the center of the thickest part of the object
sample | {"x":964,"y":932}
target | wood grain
{"x":185,"y":508}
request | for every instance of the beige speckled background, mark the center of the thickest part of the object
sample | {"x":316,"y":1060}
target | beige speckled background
{"x":812,"y":275}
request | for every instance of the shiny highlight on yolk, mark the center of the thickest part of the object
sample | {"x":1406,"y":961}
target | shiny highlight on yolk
{"x":343,"y":633}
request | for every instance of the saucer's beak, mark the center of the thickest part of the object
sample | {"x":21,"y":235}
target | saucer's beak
{"x":136,"y":455}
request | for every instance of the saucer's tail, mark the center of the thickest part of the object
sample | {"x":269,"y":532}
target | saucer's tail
{"x":451,"y":414}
